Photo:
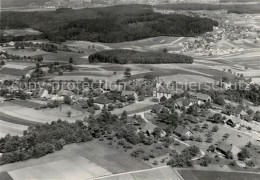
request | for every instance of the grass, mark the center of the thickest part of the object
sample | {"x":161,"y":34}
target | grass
{"x":216,"y":175}
{"x":11,"y":71}
{"x":12,"y":129}
{"x":161,"y":73}
{"x":24,"y":103}
{"x":133,"y":109}
{"x":99,"y":153}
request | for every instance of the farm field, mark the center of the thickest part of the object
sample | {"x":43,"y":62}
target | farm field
{"x":216,"y":175}
{"x":161,"y":173}
{"x":80,"y":161}
{"x":77,"y":167}
{"x":20,"y":32}
{"x":133,"y":108}
{"x":12,"y":129}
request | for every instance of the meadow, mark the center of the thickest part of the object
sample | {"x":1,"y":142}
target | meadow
{"x":216,"y":175}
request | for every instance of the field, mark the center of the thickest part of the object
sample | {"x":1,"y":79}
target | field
{"x":78,"y":168}
{"x":216,"y":175}
{"x":161,"y":173}
{"x":13,"y":69}
{"x":20,"y":32}
{"x":75,"y":161}
{"x":12,"y":129}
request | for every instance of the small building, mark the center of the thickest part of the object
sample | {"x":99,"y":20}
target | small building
{"x":182,"y":102}
{"x":202,"y":97}
{"x":129,"y":93}
{"x":182,"y":131}
{"x":226,"y":148}
{"x":65,"y":93}
{"x":148,"y":128}
{"x":102,"y":100}
{"x":160,"y":92}
{"x":42,"y":93}
{"x":233,"y":122}
{"x":243,"y":114}
{"x":157,"y":109}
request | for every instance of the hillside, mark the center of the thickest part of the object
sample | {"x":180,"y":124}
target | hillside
{"x":108,"y":24}
{"x":231,"y":8}
{"x":129,"y":56}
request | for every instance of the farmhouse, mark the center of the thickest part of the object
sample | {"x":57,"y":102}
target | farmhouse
{"x":102,"y":100}
{"x":162,"y":92}
{"x":42,"y":93}
{"x":182,"y":131}
{"x":63,"y":93}
{"x":157,"y":109}
{"x":225,"y":148}
{"x":148,"y":128}
{"x":202,"y":97}
{"x":233,"y":122}
{"x":182,"y":102}
{"x":129,"y":93}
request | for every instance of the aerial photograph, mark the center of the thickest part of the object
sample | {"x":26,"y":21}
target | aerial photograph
{"x":130,"y":90}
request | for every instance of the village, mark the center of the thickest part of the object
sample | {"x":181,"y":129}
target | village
{"x":81,"y":104}
{"x":212,"y":120}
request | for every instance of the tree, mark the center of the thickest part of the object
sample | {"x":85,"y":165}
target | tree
{"x":68,"y":113}
{"x":243,"y":154}
{"x":215,"y":128}
{"x":2,"y":63}
{"x":71,"y":61}
{"x":149,"y":76}
{"x":157,"y":132}
{"x":220,"y":101}
{"x":212,"y":148}
{"x":250,"y":112}
{"x":67,"y":100}
{"x":206,"y":160}
{"x":127,"y":72}
{"x":110,"y":107}
{"x":217,"y":118}
{"x":165,"y":50}
{"x":124,"y":115}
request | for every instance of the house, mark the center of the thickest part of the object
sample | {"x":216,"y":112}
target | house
{"x":57,"y":98}
{"x":225,"y":148}
{"x":233,"y":122}
{"x":202,"y":97}
{"x":129,"y":93}
{"x":182,"y":102}
{"x":226,"y":86}
{"x":42,"y":93}
{"x":182,"y":131}
{"x":243,"y":114}
{"x":65,"y":93}
{"x":160,"y":91}
{"x":48,"y":97}
{"x":102,"y":100}
{"x":148,"y":128}
{"x":157,"y":109}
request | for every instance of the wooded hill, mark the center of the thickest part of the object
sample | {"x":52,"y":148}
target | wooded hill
{"x":122,"y":56}
{"x":108,"y":24}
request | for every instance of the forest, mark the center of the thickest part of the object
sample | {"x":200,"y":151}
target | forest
{"x":231,"y":8}
{"x":122,"y":56}
{"x":108,"y":24}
